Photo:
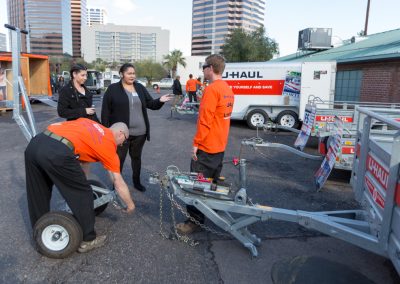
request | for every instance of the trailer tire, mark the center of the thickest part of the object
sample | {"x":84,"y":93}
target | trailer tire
{"x":57,"y":234}
{"x":96,"y":195}
{"x":288,"y":118}
{"x":255,"y":117}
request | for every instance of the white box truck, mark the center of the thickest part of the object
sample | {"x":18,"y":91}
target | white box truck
{"x":278,"y":91}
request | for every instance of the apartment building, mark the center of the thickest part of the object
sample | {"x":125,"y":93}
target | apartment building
{"x":118,"y":43}
{"x":213,"y":20}
{"x":96,"y":16}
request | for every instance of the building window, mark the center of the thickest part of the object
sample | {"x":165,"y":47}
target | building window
{"x":348,"y":86}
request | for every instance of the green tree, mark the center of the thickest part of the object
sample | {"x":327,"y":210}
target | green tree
{"x":98,"y":64}
{"x":150,"y":69}
{"x":173,"y":59}
{"x":241,"y":46}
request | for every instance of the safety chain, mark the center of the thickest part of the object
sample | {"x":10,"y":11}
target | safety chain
{"x":182,"y":238}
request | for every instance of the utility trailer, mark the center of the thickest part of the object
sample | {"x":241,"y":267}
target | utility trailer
{"x":375,"y":182}
{"x":319,"y":121}
{"x":275,"y":91}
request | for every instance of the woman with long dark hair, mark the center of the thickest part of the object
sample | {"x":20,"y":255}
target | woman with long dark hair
{"x":127,"y":101}
{"x":75,"y":100}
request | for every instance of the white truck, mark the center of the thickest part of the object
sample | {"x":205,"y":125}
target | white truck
{"x":110,"y":77}
{"x":278,"y":91}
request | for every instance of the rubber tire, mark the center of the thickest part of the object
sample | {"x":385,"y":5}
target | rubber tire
{"x":98,"y":210}
{"x":288,"y":112}
{"x":259,"y":112}
{"x":65,"y":220}
{"x":155,"y":86}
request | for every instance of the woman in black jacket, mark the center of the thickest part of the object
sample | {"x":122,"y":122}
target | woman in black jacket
{"x":127,"y":101}
{"x":75,"y":100}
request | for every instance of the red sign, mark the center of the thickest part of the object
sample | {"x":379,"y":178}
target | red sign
{"x":256,"y":87}
{"x":331,"y":118}
{"x":376,"y":196}
{"x":347,"y":150}
{"x":378,"y":171}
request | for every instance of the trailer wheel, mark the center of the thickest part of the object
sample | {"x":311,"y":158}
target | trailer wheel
{"x":57,"y":234}
{"x":96,"y":195}
{"x":256,"y":117}
{"x":288,"y":118}
{"x":155,"y":86}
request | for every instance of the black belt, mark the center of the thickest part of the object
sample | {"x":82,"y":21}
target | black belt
{"x":59,"y":138}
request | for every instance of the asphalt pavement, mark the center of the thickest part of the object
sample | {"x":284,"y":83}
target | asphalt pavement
{"x":136,"y":253}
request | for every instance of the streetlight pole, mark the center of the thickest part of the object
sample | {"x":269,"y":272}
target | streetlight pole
{"x":366,"y":19}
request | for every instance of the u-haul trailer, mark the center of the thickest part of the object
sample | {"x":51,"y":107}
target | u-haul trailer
{"x":278,"y":91}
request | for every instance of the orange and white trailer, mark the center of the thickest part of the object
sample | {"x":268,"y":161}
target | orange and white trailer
{"x":35,"y":72}
{"x":277,"y":91}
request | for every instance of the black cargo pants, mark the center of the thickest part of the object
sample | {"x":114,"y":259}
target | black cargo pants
{"x":49,"y":162}
{"x":210,"y":165}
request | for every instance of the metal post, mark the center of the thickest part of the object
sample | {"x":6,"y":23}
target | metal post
{"x":19,"y":87}
{"x":242,"y":173}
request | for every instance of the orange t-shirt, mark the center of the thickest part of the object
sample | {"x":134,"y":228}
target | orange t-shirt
{"x":92,"y":141}
{"x":214,"y":118}
{"x":191,"y":85}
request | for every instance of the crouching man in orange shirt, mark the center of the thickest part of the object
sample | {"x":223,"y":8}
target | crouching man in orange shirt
{"x":211,"y":138}
{"x":54,"y":156}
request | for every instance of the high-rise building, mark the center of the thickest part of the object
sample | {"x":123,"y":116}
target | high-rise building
{"x":96,"y":16}
{"x":3,"y":42}
{"x":78,"y":17}
{"x":114,"y":43}
{"x":213,"y":20}
{"x":48,"y":23}
{"x":16,"y":18}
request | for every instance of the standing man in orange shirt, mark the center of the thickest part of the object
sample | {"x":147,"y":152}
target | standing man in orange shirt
{"x":54,"y":156}
{"x":211,"y":138}
{"x":191,"y":88}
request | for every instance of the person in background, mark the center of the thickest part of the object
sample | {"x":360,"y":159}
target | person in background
{"x":191,"y":88}
{"x":53,"y":157}
{"x":127,"y":101}
{"x":177,"y":91}
{"x":211,"y":137}
{"x":75,"y":100}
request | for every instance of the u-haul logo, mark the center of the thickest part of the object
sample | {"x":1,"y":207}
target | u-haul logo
{"x":376,"y":196}
{"x":242,"y":75}
{"x":378,"y":171}
{"x":331,"y":118}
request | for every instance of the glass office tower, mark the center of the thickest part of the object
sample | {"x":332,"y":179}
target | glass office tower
{"x":48,"y":23}
{"x":213,"y":20}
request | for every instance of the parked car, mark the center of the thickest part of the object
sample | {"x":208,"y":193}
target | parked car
{"x":143,"y":81}
{"x":165,"y":83}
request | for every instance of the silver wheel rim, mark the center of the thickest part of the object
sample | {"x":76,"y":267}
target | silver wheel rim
{"x":287,"y":120}
{"x":55,"y":237}
{"x":256,"y":119}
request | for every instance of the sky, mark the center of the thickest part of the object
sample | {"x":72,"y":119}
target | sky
{"x":283,"y":18}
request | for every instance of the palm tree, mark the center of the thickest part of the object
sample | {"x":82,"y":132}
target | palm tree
{"x":172,"y":60}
